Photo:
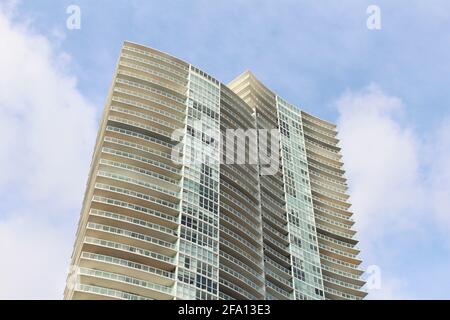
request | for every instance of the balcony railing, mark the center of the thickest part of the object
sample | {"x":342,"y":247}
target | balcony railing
{"x":108,"y":292}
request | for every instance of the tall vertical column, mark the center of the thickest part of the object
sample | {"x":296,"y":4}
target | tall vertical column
{"x":305,"y":259}
{"x":198,"y":258}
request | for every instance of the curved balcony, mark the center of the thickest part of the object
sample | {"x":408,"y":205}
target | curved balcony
{"x":322,"y":154}
{"x":149,"y":77}
{"x":315,"y":175}
{"x":277,"y":268}
{"x":131,"y":238}
{"x":157,"y":68}
{"x":279,"y":217}
{"x":331,"y":231}
{"x":279,"y":281}
{"x":341,"y":265}
{"x":226,"y":187}
{"x":273,"y":232}
{"x":318,"y":132}
{"x":168,"y":106}
{"x":245,"y":269}
{"x":241,"y":281}
{"x":331,"y":128}
{"x":89,"y":292}
{"x":224,"y":296}
{"x":234,"y":181}
{"x":242,"y":122}
{"x":238,"y":205}
{"x":277,"y":200}
{"x":317,"y":159}
{"x":163,"y":94}
{"x":319,"y":147}
{"x":232,"y":104}
{"x":236,"y":177}
{"x":339,"y":295}
{"x":170,"y":117}
{"x":118,"y":167}
{"x":343,"y":276}
{"x":154,"y":69}
{"x":171,"y":172}
{"x":125,"y":283}
{"x":140,"y":199}
{"x":138,"y":122}
{"x":281,"y":227}
{"x":276,"y":256}
{"x":136,"y":211}
{"x":318,"y":189}
{"x":117,"y":265}
{"x":324,"y":143}
{"x":277,"y":291}
{"x":326,"y":172}
{"x":342,"y":210}
{"x":338,"y":254}
{"x":341,"y":224}
{"x":138,"y":185}
{"x":140,"y":127}
{"x":139,"y":150}
{"x":127,"y":252}
{"x":240,"y":242}
{"x":276,"y":188}
{"x":343,"y":286}
{"x":254,"y":223}
{"x":136,"y":137}
{"x":144,"y":79}
{"x":240,"y":230}
{"x":133,"y":224}
{"x":235,"y":251}
{"x":154,"y":55}
{"x":340,"y":245}
{"x":231,"y":289}
{"x":321,"y":210}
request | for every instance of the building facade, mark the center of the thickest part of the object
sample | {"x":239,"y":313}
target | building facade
{"x":206,"y":226}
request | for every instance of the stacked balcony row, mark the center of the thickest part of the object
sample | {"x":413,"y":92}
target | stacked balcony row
{"x":128,"y":234}
{"x":337,"y":245}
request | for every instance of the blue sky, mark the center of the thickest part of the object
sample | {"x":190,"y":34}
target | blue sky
{"x":387,"y":89}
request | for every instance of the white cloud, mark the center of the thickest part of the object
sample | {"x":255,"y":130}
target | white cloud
{"x":47,"y":130}
{"x":34,"y":257}
{"x":382,"y":159}
{"x":399,"y":181}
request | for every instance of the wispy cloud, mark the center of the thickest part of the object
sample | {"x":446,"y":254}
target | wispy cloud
{"x":399,"y":180}
{"x":47,"y":129}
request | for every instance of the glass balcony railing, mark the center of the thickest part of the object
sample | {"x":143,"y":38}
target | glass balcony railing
{"x":125,"y":279}
{"x":171,"y":106}
{"x":239,"y":263}
{"x":127,"y":264}
{"x":139,"y":170}
{"x":140,"y":136}
{"x":160,"y":57}
{"x":137,"y":195}
{"x":108,"y":292}
{"x":133,"y":221}
{"x":133,"y":207}
{"x":129,"y":249}
{"x":146,"y":107}
{"x":138,"y":182}
{"x":130,"y":234}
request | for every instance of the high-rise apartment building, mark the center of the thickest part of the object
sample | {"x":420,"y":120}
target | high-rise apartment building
{"x":211,"y":227}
